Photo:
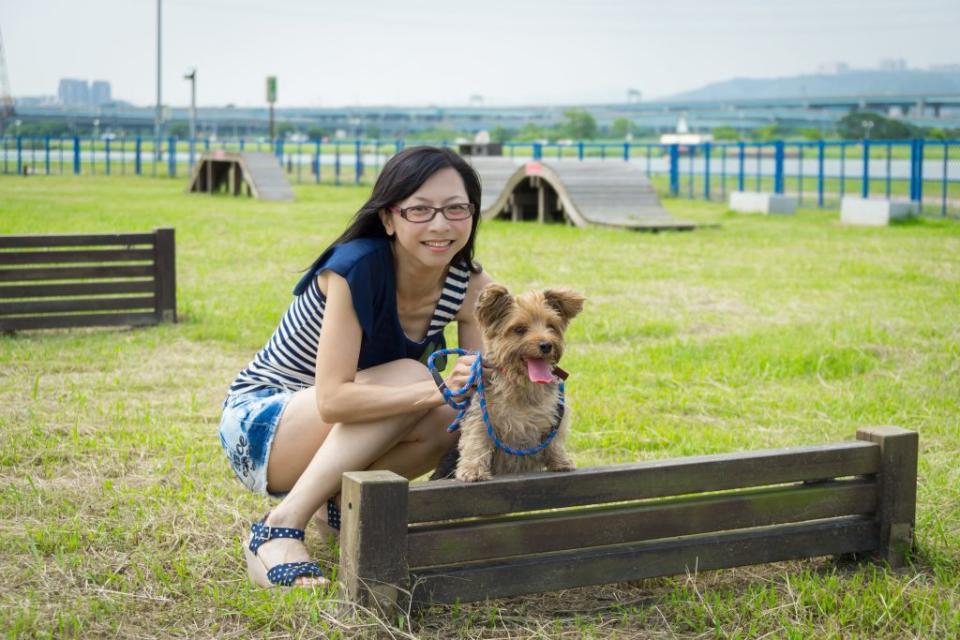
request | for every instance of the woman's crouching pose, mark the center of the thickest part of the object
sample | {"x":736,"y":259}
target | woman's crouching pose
{"x":341,"y":384}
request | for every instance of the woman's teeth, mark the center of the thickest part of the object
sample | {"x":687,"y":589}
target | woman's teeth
{"x":438,"y":243}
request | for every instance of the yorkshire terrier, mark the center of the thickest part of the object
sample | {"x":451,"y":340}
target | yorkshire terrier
{"x":522,"y":344}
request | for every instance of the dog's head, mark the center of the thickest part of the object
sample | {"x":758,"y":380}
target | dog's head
{"x":523,"y":335}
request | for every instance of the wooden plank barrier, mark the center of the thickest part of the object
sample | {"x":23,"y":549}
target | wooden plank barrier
{"x":85,"y":280}
{"x":447,"y":541}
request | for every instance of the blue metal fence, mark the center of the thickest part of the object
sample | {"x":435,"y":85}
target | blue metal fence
{"x":818,"y":173}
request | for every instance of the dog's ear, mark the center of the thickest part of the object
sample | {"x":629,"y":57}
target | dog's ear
{"x":493,"y":304}
{"x":567,"y":302}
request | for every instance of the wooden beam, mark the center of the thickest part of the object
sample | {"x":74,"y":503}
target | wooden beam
{"x":897,"y":490}
{"x":467,"y":541}
{"x":166,"y":275}
{"x":373,"y":543}
{"x":549,"y":572}
{"x":450,"y":499}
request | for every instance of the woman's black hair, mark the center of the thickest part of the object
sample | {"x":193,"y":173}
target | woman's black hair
{"x":402,"y":175}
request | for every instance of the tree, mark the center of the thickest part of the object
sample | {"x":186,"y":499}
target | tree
{"x":725,"y":133}
{"x":851,"y":127}
{"x":579,"y":124}
{"x":499,"y":134}
{"x":621,"y":128}
{"x":530,"y":132}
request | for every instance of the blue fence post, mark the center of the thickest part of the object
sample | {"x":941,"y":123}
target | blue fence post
{"x":920,"y":146}
{"x":316,"y":162}
{"x":742,"y":165}
{"x":821,"y":153}
{"x":278,"y":149}
{"x":778,"y":166}
{"x":943,"y":194}
{"x":706,"y":171}
{"x":889,"y":156}
{"x":19,"y":155}
{"x":843,"y":170}
{"x":136,"y":156}
{"x":626,"y":152}
{"x":674,"y":170}
{"x":400,"y":143}
{"x":76,"y":155}
{"x":580,"y":150}
{"x":336,"y":153}
{"x":106,"y":148}
{"x":800,"y":173}
{"x":865,"y":187}
{"x":358,"y":171}
{"x":46,"y":155}
{"x":172,"y":157}
{"x":537,"y":151}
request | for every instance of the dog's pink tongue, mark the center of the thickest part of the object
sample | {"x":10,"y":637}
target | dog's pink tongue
{"x":539,"y":371}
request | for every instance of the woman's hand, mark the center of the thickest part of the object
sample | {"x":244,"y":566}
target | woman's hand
{"x":459,"y":376}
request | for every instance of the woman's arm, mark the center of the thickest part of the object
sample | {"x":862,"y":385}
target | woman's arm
{"x":339,"y":397}
{"x":468,"y":331}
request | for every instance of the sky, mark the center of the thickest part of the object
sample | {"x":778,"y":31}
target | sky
{"x":428,"y":52}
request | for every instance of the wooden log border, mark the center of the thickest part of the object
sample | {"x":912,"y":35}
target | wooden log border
{"x":39,"y":276}
{"x":447,"y":541}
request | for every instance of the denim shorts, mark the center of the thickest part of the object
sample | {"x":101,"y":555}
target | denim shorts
{"x":247,"y":428}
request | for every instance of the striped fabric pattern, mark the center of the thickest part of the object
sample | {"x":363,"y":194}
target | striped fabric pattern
{"x":288,"y":360}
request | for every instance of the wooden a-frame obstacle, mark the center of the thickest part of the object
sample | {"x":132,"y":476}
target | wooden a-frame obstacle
{"x":257,"y":174}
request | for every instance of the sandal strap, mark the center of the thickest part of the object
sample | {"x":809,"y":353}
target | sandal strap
{"x":333,"y":514}
{"x":285,"y":574}
{"x":261,"y":533}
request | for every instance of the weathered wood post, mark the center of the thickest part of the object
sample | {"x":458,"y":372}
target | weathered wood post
{"x":373,"y":539}
{"x":166,"y":275}
{"x":897,"y":498}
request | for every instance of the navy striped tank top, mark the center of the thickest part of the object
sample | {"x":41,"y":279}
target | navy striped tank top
{"x":288,"y":360}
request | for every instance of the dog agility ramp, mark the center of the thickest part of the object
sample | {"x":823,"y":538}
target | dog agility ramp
{"x":259,"y":173}
{"x":611,"y":194}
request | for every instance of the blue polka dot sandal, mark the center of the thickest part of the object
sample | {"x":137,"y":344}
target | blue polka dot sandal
{"x":333,"y":514}
{"x":282,"y":574}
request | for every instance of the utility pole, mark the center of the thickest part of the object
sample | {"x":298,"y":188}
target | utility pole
{"x":271,"y":98}
{"x":158,"y":119}
{"x":6,"y":98}
{"x":192,"y":77}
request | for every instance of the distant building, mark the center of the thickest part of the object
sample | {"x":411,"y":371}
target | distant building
{"x":944,"y":67}
{"x":893,"y":64}
{"x":100,"y":93}
{"x":73,"y":92}
{"x":833,"y":67}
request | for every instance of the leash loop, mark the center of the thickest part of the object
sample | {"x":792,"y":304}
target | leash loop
{"x":459,"y":399}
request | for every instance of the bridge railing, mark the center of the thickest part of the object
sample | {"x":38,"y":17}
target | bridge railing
{"x":818,"y":173}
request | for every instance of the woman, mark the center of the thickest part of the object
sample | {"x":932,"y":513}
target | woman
{"x":341,"y":384}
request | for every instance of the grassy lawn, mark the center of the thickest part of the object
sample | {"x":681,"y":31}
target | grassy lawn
{"x":119,"y":515}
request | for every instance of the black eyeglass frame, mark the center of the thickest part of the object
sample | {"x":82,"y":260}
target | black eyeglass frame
{"x":436,"y":210}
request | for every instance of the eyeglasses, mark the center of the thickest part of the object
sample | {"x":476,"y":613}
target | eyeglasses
{"x":426,"y":213}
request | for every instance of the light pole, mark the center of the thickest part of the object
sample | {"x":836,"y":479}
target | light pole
{"x":192,"y":77}
{"x":158,"y":119}
{"x":867,"y":125}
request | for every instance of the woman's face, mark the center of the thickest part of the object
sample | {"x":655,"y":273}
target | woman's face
{"x":433,"y":243}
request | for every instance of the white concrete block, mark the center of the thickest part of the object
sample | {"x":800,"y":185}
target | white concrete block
{"x":761,"y":202}
{"x":874,"y":212}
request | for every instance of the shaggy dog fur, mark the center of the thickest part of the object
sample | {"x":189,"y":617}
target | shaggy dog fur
{"x":522,"y":342}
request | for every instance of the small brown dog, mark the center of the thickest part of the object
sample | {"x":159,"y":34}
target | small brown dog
{"x":522,"y":342}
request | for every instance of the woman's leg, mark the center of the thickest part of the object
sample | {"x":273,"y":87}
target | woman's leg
{"x":308,"y":456}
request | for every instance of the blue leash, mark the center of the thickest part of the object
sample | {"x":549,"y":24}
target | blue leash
{"x":459,"y":400}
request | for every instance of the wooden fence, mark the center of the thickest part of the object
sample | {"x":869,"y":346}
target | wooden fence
{"x":59,"y":281}
{"x":447,"y":541}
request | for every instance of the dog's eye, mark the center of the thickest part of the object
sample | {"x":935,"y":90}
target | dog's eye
{"x":520,"y":330}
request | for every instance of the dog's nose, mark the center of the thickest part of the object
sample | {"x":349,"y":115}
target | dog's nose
{"x":545,"y":347}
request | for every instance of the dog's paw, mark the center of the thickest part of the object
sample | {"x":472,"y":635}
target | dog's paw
{"x":472,"y":474}
{"x":566,"y":465}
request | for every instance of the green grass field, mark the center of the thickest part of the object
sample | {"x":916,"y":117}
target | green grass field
{"x":119,"y":515}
